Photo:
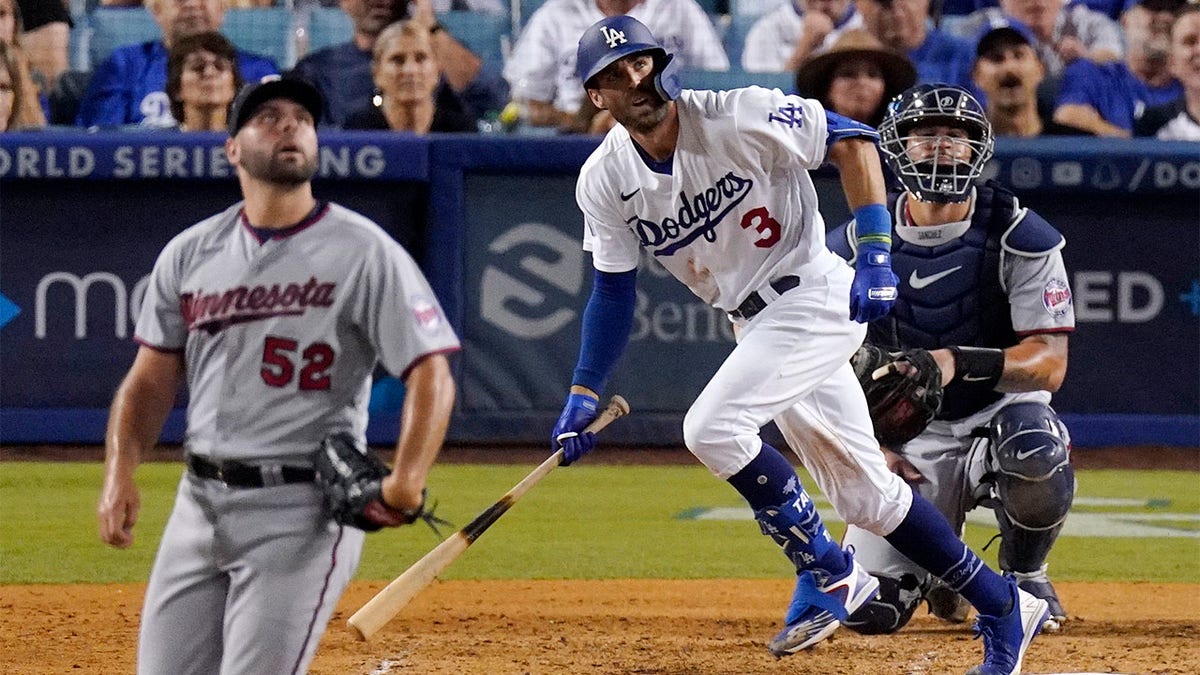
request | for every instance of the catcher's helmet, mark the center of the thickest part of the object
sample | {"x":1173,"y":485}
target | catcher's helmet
{"x":930,"y":179}
{"x":614,"y":37}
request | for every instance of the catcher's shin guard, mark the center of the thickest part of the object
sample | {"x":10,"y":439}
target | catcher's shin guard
{"x":1035,"y":484}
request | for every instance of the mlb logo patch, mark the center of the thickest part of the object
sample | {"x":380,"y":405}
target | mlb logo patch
{"x":425,"y":311}
{"x":1056,"y":297}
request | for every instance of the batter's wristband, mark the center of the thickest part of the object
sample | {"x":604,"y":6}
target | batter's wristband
{"x":872,"y":225}
{"x":978,"y":365}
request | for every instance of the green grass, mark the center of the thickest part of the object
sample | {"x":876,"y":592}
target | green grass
{"x":581,"y":522}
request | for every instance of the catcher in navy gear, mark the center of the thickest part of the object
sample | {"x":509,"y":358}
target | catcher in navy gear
{"x":984,"y":311}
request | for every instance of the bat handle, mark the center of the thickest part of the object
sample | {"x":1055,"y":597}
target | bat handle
{"x":617,"y":407}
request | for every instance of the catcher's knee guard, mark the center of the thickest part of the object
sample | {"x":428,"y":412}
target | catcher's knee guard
{"x":1035,"y":482}
{"x":891,"y":609}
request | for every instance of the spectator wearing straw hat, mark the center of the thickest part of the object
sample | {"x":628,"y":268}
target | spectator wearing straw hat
{"x":856,"y":77}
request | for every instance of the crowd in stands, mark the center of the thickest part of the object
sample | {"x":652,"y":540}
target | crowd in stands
{"x":1117,"y":68}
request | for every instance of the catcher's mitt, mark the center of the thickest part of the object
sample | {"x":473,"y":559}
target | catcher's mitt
{"x":904,"y":391}
{"x":352,"y":480}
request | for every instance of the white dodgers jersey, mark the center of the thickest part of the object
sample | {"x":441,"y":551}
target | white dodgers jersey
{"x":738,"y":209}
{"x":280,"y":337}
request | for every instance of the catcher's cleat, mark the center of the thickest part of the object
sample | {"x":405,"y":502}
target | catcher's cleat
{"x":1005,"y":638}
{"x":946,"y":604}
{"x":820,"y":603}
{"x":1038,"y":585}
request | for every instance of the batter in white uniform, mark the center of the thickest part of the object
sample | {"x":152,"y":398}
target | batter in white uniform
{"x":276,"y":311}
{"x":716,"y":185}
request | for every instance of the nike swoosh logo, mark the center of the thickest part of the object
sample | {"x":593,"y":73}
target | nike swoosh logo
{"x":917,"y":281}
{"x":627,"y":197}
{"x":1029,"y":453}
{"x":975,"y":378}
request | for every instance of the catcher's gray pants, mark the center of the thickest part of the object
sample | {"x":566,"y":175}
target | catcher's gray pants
{"x":953,"y":464}
{"x":245,"y":580}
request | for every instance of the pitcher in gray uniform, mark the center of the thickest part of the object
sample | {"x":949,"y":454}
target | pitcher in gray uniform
{"x":983,"y":288}
{"x":276,"y":311}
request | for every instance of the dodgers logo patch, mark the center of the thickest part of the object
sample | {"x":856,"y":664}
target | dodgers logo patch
{"x":425,"y":311}
{"x":1056,"y":297}
{"x":697,"y":216}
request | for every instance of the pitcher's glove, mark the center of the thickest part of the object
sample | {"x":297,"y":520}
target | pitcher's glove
{"x":352,"y":480}
{"x":903,"y":389}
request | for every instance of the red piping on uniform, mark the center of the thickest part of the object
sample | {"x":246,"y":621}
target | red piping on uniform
{"x":308,"y":221}
{"x":1046,"y":331}
{"x":317,"y":610}
{"x":447,"y":350}
{"x":165,"y":350}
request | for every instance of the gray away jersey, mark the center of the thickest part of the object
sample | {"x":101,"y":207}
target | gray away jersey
{"x":280,"y":338}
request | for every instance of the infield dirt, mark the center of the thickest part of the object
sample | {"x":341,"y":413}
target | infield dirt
{"x":634,"y":626}
{"x":629,"y":626}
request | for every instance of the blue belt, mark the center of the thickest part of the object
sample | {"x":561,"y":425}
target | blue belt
{"x":754,"y":303}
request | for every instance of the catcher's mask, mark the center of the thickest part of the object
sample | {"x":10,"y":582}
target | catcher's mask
{"x":615,"y":37}
{"x":938,"y":177}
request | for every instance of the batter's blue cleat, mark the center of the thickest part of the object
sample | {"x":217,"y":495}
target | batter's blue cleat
{"x":819,"y":604}
{"x":1005,"y":638}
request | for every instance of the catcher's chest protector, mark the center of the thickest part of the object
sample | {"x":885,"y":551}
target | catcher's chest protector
{"x":964,"y":307}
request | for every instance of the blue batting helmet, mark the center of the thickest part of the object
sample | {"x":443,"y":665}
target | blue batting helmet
{"x":614,"y":37}
{"x":930,"y":179}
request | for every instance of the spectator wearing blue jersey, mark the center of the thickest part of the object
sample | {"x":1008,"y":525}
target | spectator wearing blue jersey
{"x":129,"y":87}
{"x":905,"y":25}
{"x":1064,"y":31}
{"x":1107,"y":99}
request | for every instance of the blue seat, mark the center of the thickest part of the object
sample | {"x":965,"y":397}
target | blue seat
{"x":484,"y":34}
{"x":735,"y":37}
{"x":718,"y":80}
{"x":328,"y":26}
{"x":113,"y":27}
{"x":266,"y":31}
{"x":528,"y":7}
{"x":753,"y":8}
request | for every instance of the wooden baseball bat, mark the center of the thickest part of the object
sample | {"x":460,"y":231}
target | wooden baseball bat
{"x":388,"y":602}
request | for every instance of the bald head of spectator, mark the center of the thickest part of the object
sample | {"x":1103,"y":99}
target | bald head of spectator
{"x":897,"y":23}
{"x":370,"y":17}
{"x":1039,"y":15}
{"x":181,"y":18}
{"x":1147,"y":27}
{"x":615,"y":7}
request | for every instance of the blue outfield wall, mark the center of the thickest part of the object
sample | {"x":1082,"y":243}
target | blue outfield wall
{"x":493,"y":222}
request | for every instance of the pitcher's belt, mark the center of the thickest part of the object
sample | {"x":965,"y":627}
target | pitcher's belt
{"x":239,"y":475}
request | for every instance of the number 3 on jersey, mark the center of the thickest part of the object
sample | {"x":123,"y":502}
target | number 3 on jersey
{"x":761,"y":221}
{"x":278,"y":365}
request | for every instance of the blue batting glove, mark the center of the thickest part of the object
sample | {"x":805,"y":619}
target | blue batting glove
{"x":568,"y":433}
{"x":874,"y":289}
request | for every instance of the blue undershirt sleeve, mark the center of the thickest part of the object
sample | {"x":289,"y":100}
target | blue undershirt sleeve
{"x":841,"y":127}
{"x":607,"y":323}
